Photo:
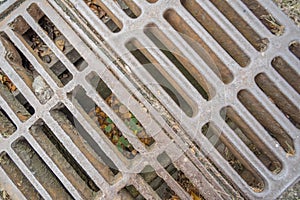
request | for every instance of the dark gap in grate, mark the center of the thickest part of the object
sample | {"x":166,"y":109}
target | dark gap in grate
{"x":202,"y":49}
{"x":105,"y":15}
{"x":27,"y":72}
{"x":294,"y":47}
{"x":175,"y":56}
{"x":260,"y":44}
{"x":287,"y":72}
{"x":63,"y":159}
{"x":157,"y":183}
{"x":131,"y":192}
{"x":216,"y":32}
{"x":85,"y":143}
{"x":111,"y":130}
{"x":43,"y":52}
{"x":251,"y":140}
{"x":7,"y":126}
{"x":3,"y":193}
{"x":216,"y":173}
{"x":179,"y":177}
{"x":278,"y":98}
{"x":152,"y":1}
{"x":267,"y":121}
{"x":265,"y":17}
{"x":156,"y":71}
{"x":129,"y":7}
{"x":119,"y":108}
{"x":14,"y":98}
{"x":60,"y":40}
{"x":231,"y":155}
{"x":18,"y":178}
{"x":40,"y":170}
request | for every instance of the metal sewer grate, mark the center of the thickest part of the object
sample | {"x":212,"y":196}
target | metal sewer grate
{"x":148,"y":99}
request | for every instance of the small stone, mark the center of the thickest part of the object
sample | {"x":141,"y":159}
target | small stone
{"x":134,"y":152}
{"x":123,"y":109}
{"x":47,"y":59}
{"x":127,"y":115}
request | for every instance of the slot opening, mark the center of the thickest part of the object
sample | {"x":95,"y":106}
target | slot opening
{"x":12,"y":95}
{"x":18,"y":178}
{"x":22,"y":66}
{"x":227,"y":43}
{"x":105,"y":15}
{"x":259,"y":43}
{"x":294,"y":47}
{"x":250,"y":139}
{"x":131,"y":193}
{"x":156,"y":71}
{"x":58,"y":38}
{"x":42,"y":52}
{"x":199,"y":46}
{"x":265,"y":17}
{"x":277,"y":97}
{"x":40,"y":170}
{"x":7,"y":126}
{"x":179,"y":177}
{"x":119,"y":108}
{"x":129,"y":7}
{"x":86,"y":144}
{"x":111,"y":131}
{"x":287,"y":72}
{"x":157,"y":183}
{"x":267,"y":121}
{"x":180,"y":62}
{"x":230,"y":154}
{"x":63,"y":159}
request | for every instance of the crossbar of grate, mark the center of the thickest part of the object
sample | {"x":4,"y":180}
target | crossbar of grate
{"x":238,"y":80}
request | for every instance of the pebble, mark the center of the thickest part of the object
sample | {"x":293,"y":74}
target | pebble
{"x":123,"y":109}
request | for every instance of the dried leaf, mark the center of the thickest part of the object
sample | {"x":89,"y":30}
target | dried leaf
{"x":60,"y":44}
{"x":195,"y":197}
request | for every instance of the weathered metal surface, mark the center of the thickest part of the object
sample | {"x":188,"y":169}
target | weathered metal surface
{"x":210,"y":88}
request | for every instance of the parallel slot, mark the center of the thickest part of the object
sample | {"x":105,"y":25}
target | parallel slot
{"x":246,"y":134}
{"x":63,"y":159}
{"x":27,"y":72}
{"x":40,"y":170}
{"x":129,"y":7}
{"x":18,"y":178}
{"x":157,"y":72}
{"x":157,"y":184}
{"x":267,"y":121}
{"x":7,"y":127}
{"x":14,"y":98}
{"x":120,"y":109}
{"x":257,"y":42}
{"x":175,"y":56}
{"x":179,"y":177}
{"x":105,"y":15}
{"x":265,"y":17}
{"x":287,"y":72}
{"x":281,"y":101}
{"x":43,"y":53}
{"x":85,"y":143}
{"x":152,"y":1}
{"x":195,"y":41}
{"x":294,"y":47}
{"x":60,"y":40}
{"x":111,"y":130}
{"x":216,"y":32}
{"x":232,"y":156}
{"x":130,"y":192}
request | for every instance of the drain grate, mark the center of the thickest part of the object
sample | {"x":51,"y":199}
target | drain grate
{"x":148,"y":99}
